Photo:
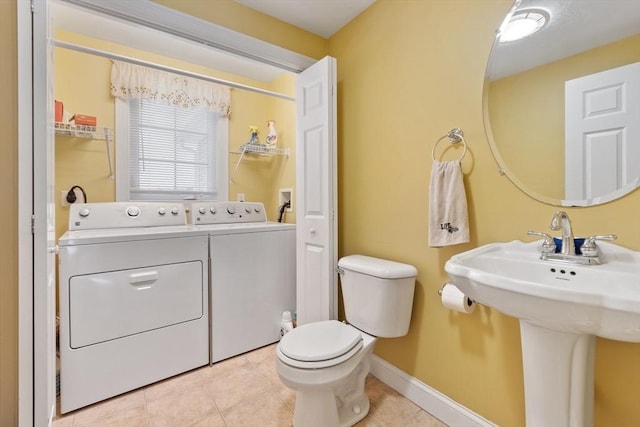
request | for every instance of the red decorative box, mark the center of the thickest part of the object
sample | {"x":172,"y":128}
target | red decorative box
{"x":81,"y":119}
{"x":59,"y":110}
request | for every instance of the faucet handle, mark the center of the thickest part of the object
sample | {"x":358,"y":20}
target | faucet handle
{"x":548,"y":244}
{"x":589,"y":247}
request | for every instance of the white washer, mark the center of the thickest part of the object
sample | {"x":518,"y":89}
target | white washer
{"x":133,"y":281}
{"x":252,"y":275}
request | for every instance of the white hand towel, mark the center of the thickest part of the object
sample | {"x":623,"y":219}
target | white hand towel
{"x":448,"y":216}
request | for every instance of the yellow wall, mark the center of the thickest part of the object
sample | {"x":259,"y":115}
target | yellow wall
{"x":83,"y":162}
{"x":527,"y":113}
{"x":80,"y":161}
{"x":408,"y":71}
{"x":9,"y":216}
{"x":258,"y":176}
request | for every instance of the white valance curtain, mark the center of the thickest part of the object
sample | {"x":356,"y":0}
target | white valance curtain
{"x":130,"y":81}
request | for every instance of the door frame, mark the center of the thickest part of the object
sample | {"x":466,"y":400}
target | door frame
{"x":36,"y":232}
{"x":33,"y":210}
{"x":26,"y":260}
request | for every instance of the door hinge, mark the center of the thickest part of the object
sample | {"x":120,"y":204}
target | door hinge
{"x":33,"y":224}
{"x":33,"y":6}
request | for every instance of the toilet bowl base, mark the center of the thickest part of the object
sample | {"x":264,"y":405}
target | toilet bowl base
{"x":330,"y":407}
{"x":322,"y":409}
{"x":356,"y":411}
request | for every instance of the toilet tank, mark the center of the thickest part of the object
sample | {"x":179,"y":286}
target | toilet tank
{"x":377,"y":294}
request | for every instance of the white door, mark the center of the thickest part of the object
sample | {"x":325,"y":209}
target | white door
{"x":316,"y":182}
{"x":43,"y":210}
{"x":602,"y":132}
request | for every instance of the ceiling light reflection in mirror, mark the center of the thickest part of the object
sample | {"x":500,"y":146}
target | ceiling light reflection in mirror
{"x":523,"y":23}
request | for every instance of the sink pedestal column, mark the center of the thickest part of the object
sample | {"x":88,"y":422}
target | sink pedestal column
{"x":558,"y":377}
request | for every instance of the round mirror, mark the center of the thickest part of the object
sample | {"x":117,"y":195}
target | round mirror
{"x":562,"y":104}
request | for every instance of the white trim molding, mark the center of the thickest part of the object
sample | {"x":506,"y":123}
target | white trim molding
{"x":153,"y":15}
{"x":431,"y":400}
{"x":25,"y":212}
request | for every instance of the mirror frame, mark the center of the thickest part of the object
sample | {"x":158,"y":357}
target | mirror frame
{"x":502,"y":166}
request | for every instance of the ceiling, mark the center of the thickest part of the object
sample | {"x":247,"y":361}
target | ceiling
{"x":321,"y":17}
{"x":87,"y":23}
{"x":574,"y":26}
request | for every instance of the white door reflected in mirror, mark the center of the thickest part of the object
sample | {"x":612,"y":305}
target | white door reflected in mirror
{"x":602,"y":136}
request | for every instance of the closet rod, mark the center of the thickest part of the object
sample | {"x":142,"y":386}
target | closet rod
{"x":123,"y":58}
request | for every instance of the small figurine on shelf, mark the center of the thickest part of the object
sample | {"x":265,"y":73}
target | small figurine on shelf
{"x":254,"y":135}
{"x":272,"y":136}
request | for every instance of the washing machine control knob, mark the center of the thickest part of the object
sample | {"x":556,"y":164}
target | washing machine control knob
{"x":231,"y":209}
{"x":247,"y":210}
{"x":174,"y":211}
{"x":257,"y":209}
{"x":162,"y":211}
{"x":202,"y":210}
{"x":84,"y":212}
{"x":133,"y":211}
{"x":212,"y":209}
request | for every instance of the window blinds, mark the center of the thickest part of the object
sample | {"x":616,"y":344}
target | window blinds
{"x":172,"y":151}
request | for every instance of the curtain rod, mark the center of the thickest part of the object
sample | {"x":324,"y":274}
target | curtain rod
{"x":160,"y":67}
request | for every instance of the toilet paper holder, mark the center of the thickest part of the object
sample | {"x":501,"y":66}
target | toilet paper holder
{"x":470,"y":301}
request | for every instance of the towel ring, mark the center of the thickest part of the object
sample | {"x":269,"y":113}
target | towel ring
{"x":455,"y":136}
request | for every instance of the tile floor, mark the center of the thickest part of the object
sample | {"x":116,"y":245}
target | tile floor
{"x":243,"y":391}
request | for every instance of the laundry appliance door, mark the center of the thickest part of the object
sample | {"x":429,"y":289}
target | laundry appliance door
{"x":253,"y":280}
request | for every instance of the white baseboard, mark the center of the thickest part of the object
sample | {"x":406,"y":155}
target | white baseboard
{"x":431,"y":400}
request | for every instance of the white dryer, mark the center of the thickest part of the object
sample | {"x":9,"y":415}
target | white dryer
{"x":133,"y":282}
{"x":252,"y":275}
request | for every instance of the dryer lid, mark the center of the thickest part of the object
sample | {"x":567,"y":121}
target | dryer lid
{"x":318,"y":341}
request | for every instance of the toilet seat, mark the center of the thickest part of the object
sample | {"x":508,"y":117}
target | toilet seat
{"x":319,"y":344}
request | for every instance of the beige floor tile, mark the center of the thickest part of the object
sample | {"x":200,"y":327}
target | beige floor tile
{"x":264,"y":410}
{"x":182,"y":407}
{"x":387,"y":405}
{"x":422,"y":419}
{"x":263,"y":361}
{"x":108,"y":409}
{"x":370,"y":421}
{"x":260,"y":354}
{"x":212,"y":420}
{"x":224,"y":367}
{"x":173,"y":385}
{"x":236,"y":386}
{"x":63,"y":421}
{"x":135,"y":416}
{"x":287,"y":395}
{"x":267,"y":367}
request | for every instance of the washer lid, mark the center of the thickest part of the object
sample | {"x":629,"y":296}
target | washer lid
{"x":317,"y":341}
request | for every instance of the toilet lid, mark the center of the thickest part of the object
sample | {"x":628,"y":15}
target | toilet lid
{"x":319,"y":341}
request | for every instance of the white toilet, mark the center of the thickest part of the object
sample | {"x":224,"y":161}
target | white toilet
{"x":327,"y":362}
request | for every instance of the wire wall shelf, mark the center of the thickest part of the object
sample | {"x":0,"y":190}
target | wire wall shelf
{"x":260,"y":149}
{"x":256,"y":149}
{"x":87,"y":132}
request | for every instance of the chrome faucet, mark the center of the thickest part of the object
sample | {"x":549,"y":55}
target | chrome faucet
{"x":559,"y":221}
{"x":589,"y":253}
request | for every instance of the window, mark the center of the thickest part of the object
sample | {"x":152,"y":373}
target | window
{"x":169,"y":152}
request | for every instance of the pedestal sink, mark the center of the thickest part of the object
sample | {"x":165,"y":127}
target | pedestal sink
{"x":562,"y":308}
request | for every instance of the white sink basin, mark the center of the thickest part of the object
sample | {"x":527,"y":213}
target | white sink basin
{"x":601,"y":300}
